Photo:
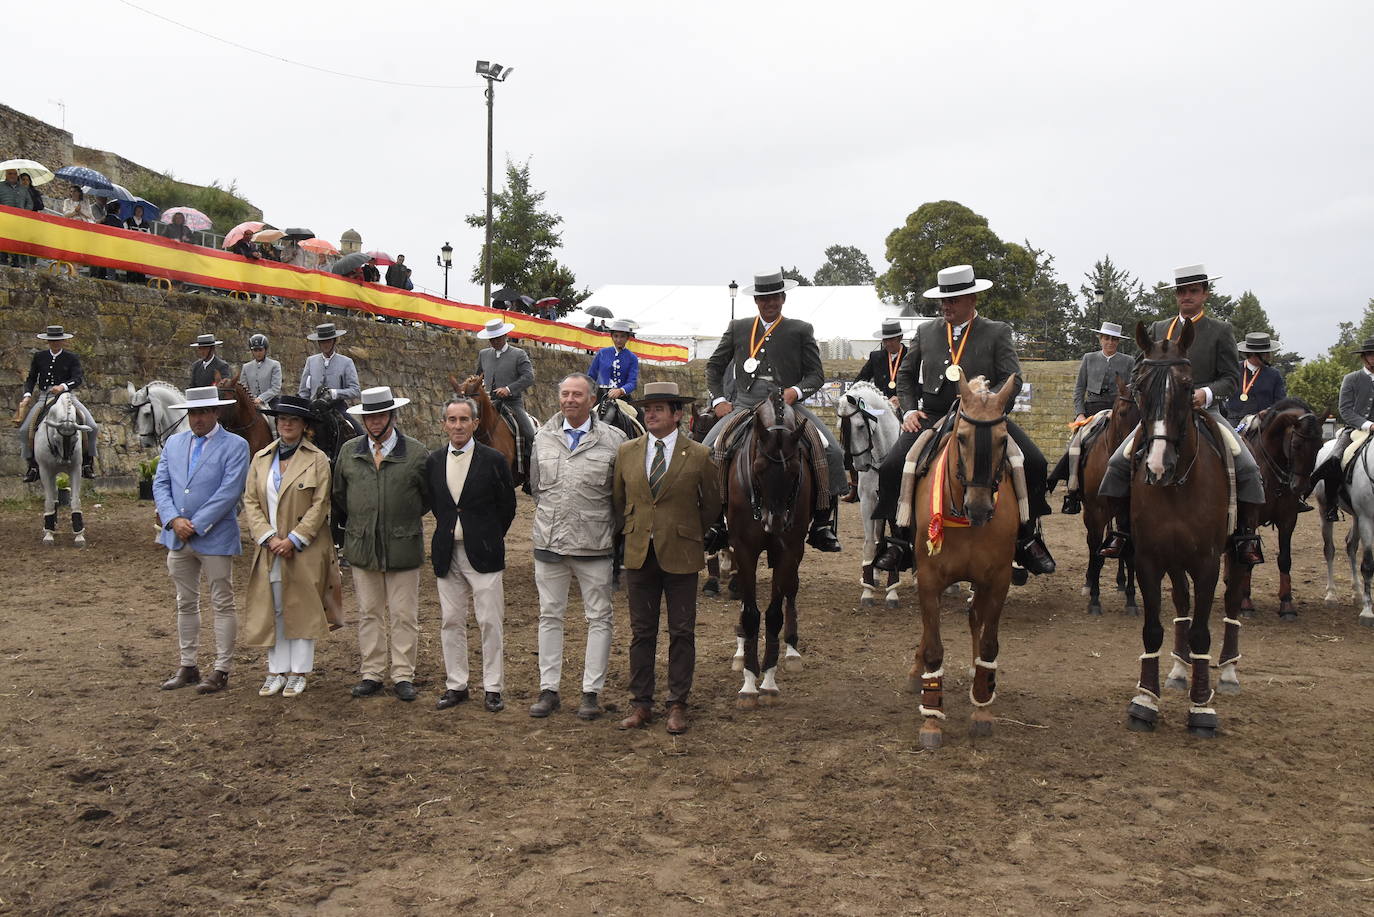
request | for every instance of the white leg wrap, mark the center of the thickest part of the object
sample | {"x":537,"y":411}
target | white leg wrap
{"x":1189,"y":620}
{"x":739,"y":647}
{"x":770,"y":680}
{"x":1200,"y":709}
{"x":984,"y":665}
{"x":1154,"y":655}
{"x":974,"y":701}
{"x":1146,"y":699}
{"x":750,"y":686}
{"x":1230,"y":621}
{"x":931,"y":711}
{"x":938,"y":673}
{"x":1197,"y":656}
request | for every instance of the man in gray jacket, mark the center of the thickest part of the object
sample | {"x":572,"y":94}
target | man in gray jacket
{"x":1094,"y":391}
{"x":329,"y":369}
{"x":262,"y":374}
{"x":1356,"y":409}
{"x":508,"y":373}
{"x":572,"y":473}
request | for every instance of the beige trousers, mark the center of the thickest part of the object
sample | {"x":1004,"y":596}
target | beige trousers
{"x":553,"y":581}
{"x":185,"y":567}
{"x":393,"y":599}
{"x":487,"y":594}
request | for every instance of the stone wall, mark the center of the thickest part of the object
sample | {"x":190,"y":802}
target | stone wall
{"x":130,"y":333}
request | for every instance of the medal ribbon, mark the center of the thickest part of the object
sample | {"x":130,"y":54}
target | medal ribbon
{"x":894,"y":362}
{"x":954,"y":358}
{"x":1246,"y":386}
{"x":1170,"y":333}
{"x":754,"y":347}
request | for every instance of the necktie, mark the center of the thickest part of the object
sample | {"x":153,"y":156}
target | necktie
{"x":377,"y":453}
{"x":657,"y":469}
{"x":197,"y":443}
{"x":576,"y":436}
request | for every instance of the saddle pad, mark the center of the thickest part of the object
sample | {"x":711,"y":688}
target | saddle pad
{"x":1358,"y":440}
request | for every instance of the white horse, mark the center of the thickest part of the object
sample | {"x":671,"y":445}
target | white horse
{"x":57,"y":447}
{"x":868,"y":428}
{"x":1360,"y":538}
{"x":151,"y":416}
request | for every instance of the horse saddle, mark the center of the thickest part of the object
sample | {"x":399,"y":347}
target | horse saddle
{"x":1359,"y":441}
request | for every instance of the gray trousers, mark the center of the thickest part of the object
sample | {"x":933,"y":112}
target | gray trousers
{"x":834,"y":455}
{"x":1117,"y":481}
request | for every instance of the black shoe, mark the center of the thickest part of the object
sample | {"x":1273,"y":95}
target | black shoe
{"x":1332,"y":514}
{"x":1019,"y":576}
{"x":716,"y":539}
{"x":88,"y":471}
{"x":1118,"y":544}
{"x":451,"y":698}
{"x":403,"y":690}
{"x":493,"y":702}
{"x":1034,"y":556}
{"x":547,"y":703}
{"x":1072,"y":504}
{"x":822,"y":538}
{"x":366,"y":688}
{"x":589,"y":709}
{"x":32,"y":474}
{"x":897,"y":555}
{"x":1247,"y":549}
{"x":1305,"y":507}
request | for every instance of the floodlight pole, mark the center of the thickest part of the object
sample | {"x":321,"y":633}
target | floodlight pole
{"x":486,"y":272}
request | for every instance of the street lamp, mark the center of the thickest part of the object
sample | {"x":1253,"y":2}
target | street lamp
{"x":445,"y":260}
{"x":493,"y":74}
{"x":734,"y":288}
{"x":1099,"y":297}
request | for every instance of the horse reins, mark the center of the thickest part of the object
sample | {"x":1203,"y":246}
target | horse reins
{"x":984,"y":472}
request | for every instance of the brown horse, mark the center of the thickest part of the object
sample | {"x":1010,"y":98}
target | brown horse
{"x":701,"y":424}
{"x":768,"y":500}
{"x":1284,"y":440}
{"x":976,"y":525}
{"x":492,"y":429}
{"x":1097,"y":511}
{"x":243,"y":417}
{"x":1179,"y":514}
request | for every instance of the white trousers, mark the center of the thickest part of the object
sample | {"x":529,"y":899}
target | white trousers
{"x":185,"y":567}
{"x":553,"y":580}
{"x":487,"y":593}
{"x":381,"y":595}
{"x":288,"y":657}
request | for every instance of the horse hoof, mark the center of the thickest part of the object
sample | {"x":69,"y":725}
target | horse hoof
{"x":979,"y":729}
{"x":1132,"y":611}
{"x":711,"y":587}
{"x":80,"y":541}
{"x":1203,"y":725}
{"x":1366,"y":620}
{"x":1140,"y":718}
{"x":867,"y":601}
{"x":1176,"y":684}
{"x":49,"y":540}
{"x":1289,"y":615}
{"x":931,"y":738}
{"x":747,"y":702}
{"x":768,"y":698}
{"x":1095,"y":609}
{"x":1247,"y":612}
{"x":1228,"y":687}
{"x":791,"y":663}
{"x":1332,"y":599}
{"x":893,"y":604}
{"x":737,"y":664}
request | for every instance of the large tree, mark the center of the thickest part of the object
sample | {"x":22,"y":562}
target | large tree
{"x":941,"y":234}
{"x":524,"y":237}
{"x":845,"y":265}
{"x":791,"y":273}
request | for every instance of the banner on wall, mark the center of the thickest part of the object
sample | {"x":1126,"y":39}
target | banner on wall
{"x":59,"y":238}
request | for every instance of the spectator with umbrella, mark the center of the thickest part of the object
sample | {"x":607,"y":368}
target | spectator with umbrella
{"x":136,"y":223}
{"x":78,"y":208}
{"x":178,"y":230}
{"x":13,"y":194}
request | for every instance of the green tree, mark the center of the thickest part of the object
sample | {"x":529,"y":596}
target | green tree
{"x":1051,"y":323}
{"x":1318,"y":382}
{"x":1122,"y":300}
{"x":845,"y":265}
{"x":791,"y":273}
{"x":1349,"y":336}
{"x":941,"y":234}
{"x":225,"y":207}
{"x":524,"y":237}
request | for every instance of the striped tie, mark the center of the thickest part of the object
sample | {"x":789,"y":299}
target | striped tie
{"x":657,"y":469}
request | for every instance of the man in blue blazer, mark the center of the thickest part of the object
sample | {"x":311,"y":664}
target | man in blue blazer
{"x":199,"y":481}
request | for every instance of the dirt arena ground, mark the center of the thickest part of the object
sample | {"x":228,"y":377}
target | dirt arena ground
{"x":117,"y":798}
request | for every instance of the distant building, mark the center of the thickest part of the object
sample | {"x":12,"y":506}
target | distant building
{"x":350,"y":242}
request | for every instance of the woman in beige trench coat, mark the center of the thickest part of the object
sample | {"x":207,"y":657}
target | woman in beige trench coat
{"x":286,"y":504}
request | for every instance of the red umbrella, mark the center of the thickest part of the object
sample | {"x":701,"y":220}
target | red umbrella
{"x":382,"y":258}
{"x":319,"y":246}
{"x":241,"y":230}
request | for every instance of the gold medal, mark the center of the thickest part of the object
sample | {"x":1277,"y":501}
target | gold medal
{"x":952,"y":373}
{"x":955,"y":356}
{"x":750,"y":365}
{"x":892,"y":384}
{"x":1244,"y":396}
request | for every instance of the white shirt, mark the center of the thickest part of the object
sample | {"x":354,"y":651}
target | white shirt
{"x":669,"y":442}
{"x":387,"y":444}
{"x":455,"y":474}
{"x":504,"y":348}
{"x":586,"y":428}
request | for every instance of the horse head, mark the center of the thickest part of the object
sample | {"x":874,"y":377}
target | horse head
{"x":140,"y":413}
{"x":776,"y":463}
{"x":471,"y":386}
{"x":1164,"y":392}
{"x":1125,"y":412}
{"x":1292,"y":435}
{"x":980,"y":432}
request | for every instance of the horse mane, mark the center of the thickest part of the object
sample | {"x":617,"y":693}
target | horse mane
{"x":1290,"y":402}
{"x":865,"y":387}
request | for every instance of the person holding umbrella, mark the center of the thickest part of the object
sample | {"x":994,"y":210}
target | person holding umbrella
{"x":78,"y":208}
{"x":177,"y":230}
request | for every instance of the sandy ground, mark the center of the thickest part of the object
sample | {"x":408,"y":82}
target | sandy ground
{"x":118,"y":798}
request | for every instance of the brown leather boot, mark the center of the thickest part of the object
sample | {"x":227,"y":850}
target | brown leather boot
{"x":186,"y":675}
{"x":639,"y":718}
{"x":215,"y":681}
{"x":677,"y":719}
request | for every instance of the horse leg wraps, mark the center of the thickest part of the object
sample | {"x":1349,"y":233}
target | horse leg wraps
{"x":1181,"y":651}
{"x":78,"y":524}
{"x":50,"y":522}
{"x":1230,"y":643}
{"x":984,"y":682}
{"x":933,"y":694}
{"x":1202,"y":693}
{"x":1149,"y":681}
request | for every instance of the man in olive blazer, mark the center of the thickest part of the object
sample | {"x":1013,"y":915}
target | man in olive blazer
{"x":668,"y":492}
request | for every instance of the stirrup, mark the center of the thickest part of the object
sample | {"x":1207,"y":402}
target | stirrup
{"x":1247,"y":549}
{"x":822,"y":538}
{"x":1118,"y":544}
{"x":1072,"y":504}
{"x":897,"y":555}
{"x":716,"y":539}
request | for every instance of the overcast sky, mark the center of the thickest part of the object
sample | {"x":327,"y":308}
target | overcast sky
{"x":694,"y":143}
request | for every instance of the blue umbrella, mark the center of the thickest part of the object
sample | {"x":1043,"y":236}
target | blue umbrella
{"x":151,"y":212}
{"x":113,"y":192}
{"x":80,"y":175}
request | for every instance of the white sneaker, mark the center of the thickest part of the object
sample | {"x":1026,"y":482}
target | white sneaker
{"x":272,"y":685}
{"x":294,"y":686}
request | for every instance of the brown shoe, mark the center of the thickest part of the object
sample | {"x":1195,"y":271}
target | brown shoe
{"x":639,"y":718}
{"x":186,"y":675}
{"x":677,"y":719}
{"x":215,"y":681}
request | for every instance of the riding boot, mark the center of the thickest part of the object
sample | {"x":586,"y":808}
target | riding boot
{"x":897,"y":552}
{"x":88,"y":466}
{"x":853,"y":495}
{"x":717,"y":537}
{"x":1245,"y":542}
{"x":32,"y":474}
{"x":1031,"y":552}
{"x":1073,"y":504}
{"x":822,"y":536}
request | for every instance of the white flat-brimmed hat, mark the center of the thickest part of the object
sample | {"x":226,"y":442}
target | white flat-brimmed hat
{"x":205,"y":397}
{"x":768,"y":283}
{"x":1111,"y":328}
{"x":956,"y":281}
{"x":206,"y":340}
{"x":621,"y":325}
{"x":497,"y":327}
{"x":891,"y":329}
{"x":1190,"y":273}
{"x":325,"y":332}
{"x":1257,"y":342}
{"x":54,"y":333}
{"x":376,"y":400}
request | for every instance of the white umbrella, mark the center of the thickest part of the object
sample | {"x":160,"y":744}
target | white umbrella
{"x":39,"y":174}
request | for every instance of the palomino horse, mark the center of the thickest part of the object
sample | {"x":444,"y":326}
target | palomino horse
{"x":868,"y":428}
{"x":966,"y":517}
{"x":720,"y":564}
{"x":243,"y":418}
{"x":1360,"y":539}
{"x":57,"y":447}
{"x":1097,"y":511}
{"x":1285,"y":440}
{"x":1180,"y":509}
{"x":151,"y":416}
{"x":492,"y":429}
{"x":768,"y":500}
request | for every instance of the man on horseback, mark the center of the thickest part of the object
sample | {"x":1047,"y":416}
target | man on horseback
{"x":1215,"y":366}
{"x":880,"y":370}
{"x":262,"y":374}
{"x":771,"y":353}
{"x":52,"y":372}
{"x":615,"y":368}
{"x":507,"y":372}
{"x":1356,"y":408}
{"x":928,"y":386}
{"x":331,"y":370}
{"x":1261,"y":385}
{"x":1093,"y":392}
{"x":209,"y":368}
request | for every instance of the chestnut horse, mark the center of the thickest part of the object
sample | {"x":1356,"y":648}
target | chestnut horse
{"x":492,"y":429}
{"x":977,"y":521}
{"x":719,"y":564}
{"x":1097,"y":511}
{"x":1284,"y":440}
{"x":1179,"y":514}
{"x":768,"y":509}
{"x":243,"y":417}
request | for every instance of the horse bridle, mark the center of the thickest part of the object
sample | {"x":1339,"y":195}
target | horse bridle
{"x":1175,"y":441}
{"x":868,"y":428}
{"x":986,"y":473}
{"x":779,"y":459}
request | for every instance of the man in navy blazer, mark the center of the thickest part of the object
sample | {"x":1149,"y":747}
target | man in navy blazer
{"x":472,"y":496}
{"x":199,"y":481}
